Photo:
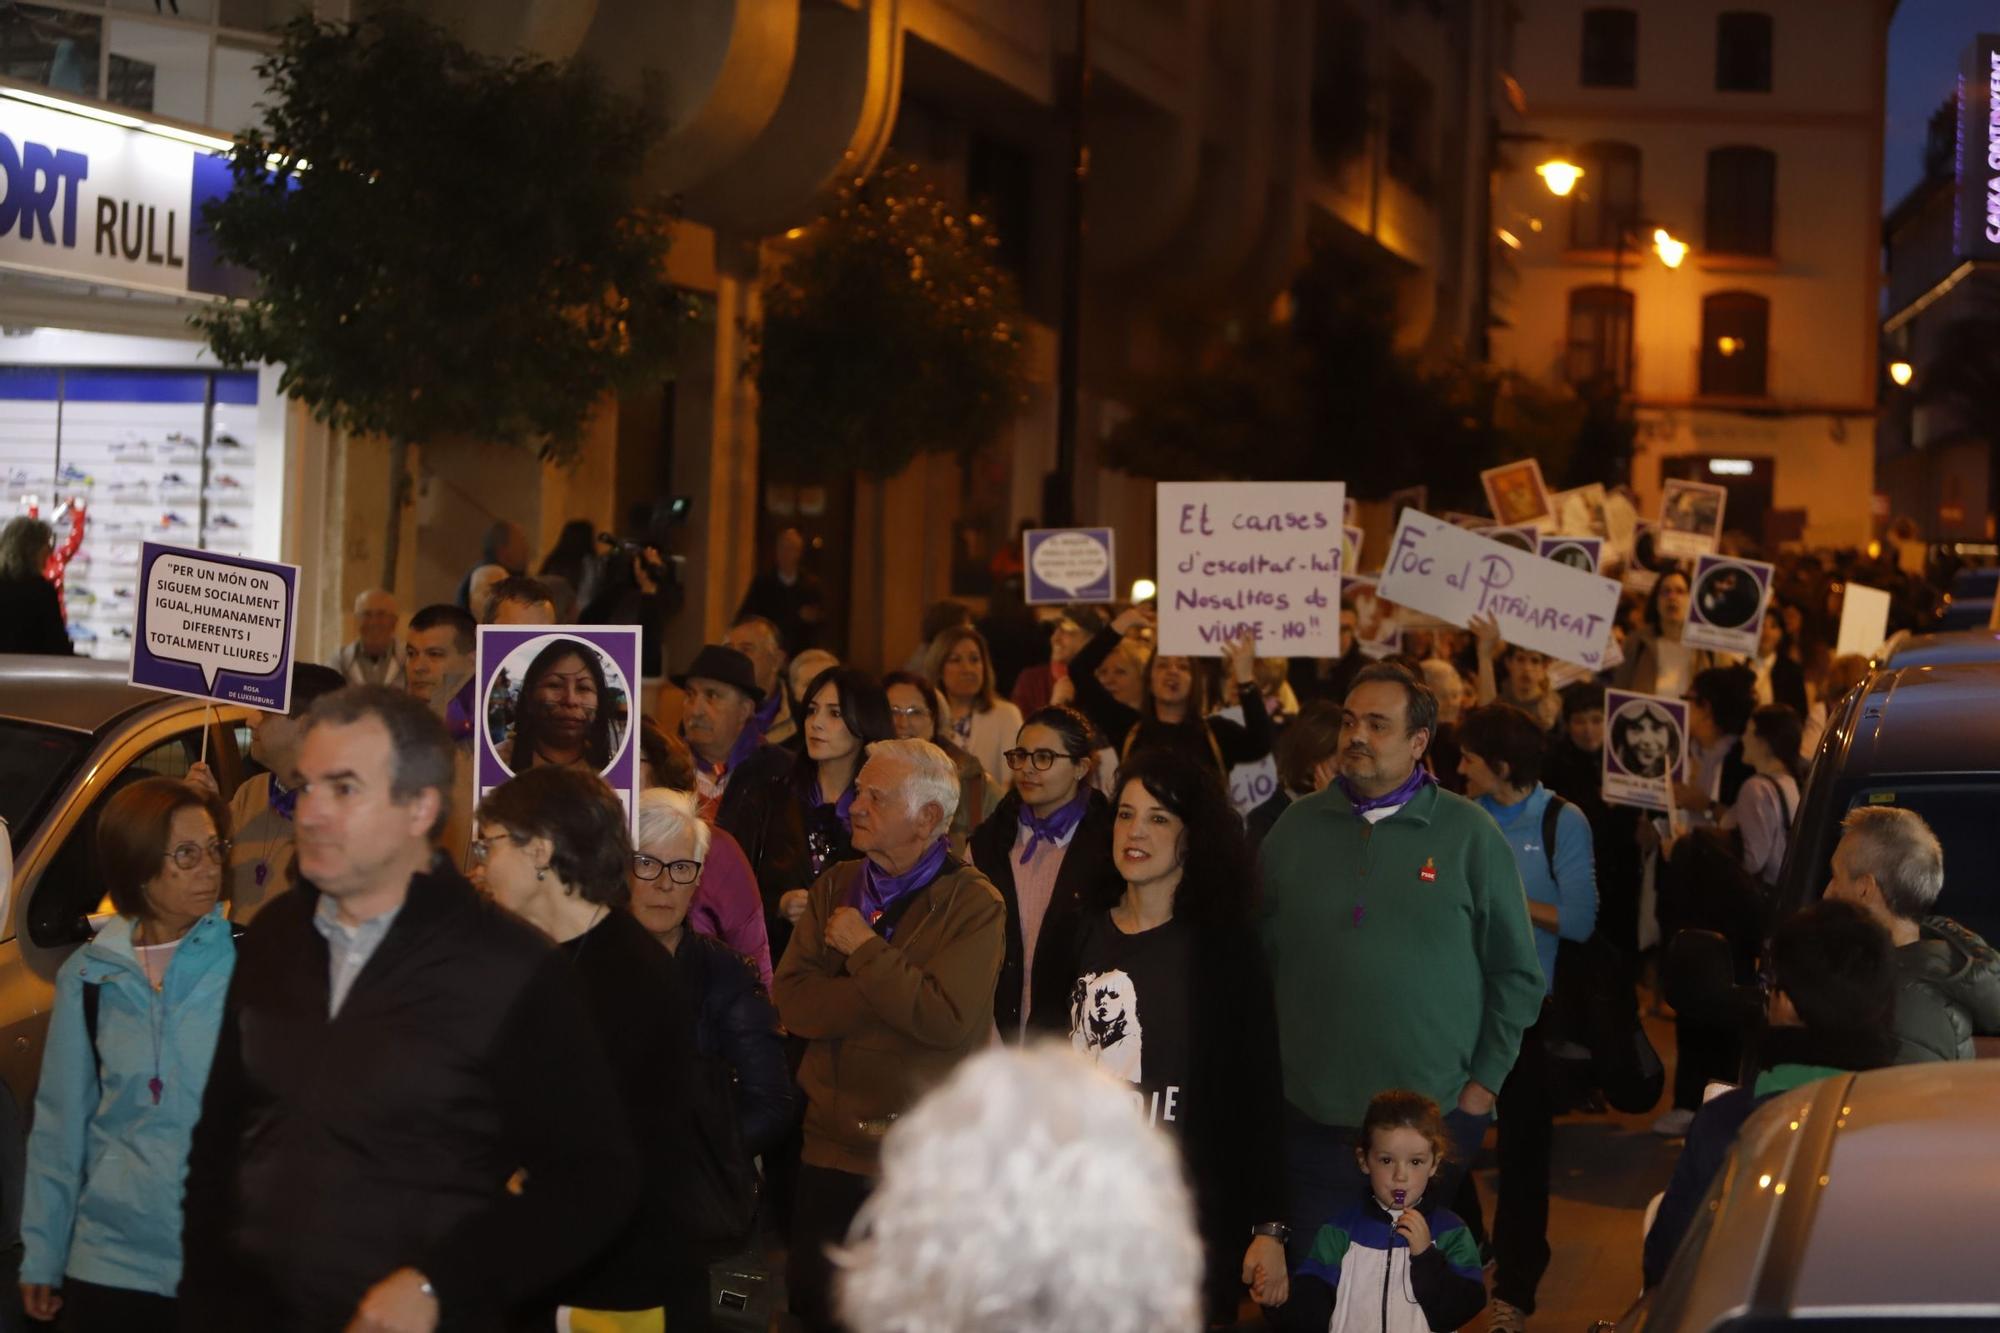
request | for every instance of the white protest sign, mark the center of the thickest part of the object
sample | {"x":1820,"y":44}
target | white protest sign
{"x":1726,"y":606}
{"x":214,"y":626}
{"x":1259,"y":556}
{"x":1539,"y":604}
{"x":1864,"y":620}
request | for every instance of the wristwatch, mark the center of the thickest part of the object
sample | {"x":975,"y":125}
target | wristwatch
{"x":1277,"y":1231}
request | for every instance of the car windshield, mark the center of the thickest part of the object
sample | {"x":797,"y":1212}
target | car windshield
{"x":34,"y":762}
{"x":1961,"y":814}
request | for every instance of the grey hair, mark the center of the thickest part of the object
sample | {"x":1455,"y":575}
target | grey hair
{"x":1897,"y":847}
{"x":932,"y":778}
{"x":801,"y":669}
{"x":1026,"y":1194}
{"x":24,"y":544}
{"x":665,"y":814}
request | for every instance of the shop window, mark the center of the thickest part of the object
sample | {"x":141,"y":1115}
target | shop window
{"x":1610,"y":48}
{"x":1600,"y":335}
{"x":1606,"y":200}
{"x":1742,"y":193}
{"x":158,"y":68}
{"x":1735,"y":347}
{"x":1743,"y":52}
{"x":50,"y":47}
{"x":1411,"y":132}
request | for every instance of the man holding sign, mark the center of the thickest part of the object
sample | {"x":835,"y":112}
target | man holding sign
{"x":1401,"y":951}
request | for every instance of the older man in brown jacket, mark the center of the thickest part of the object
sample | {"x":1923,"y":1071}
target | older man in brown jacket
{"x":890,"y":977}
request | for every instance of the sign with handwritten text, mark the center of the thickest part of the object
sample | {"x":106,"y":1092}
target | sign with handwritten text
{"x":1250,"y":555}
{"x":1455,"y":575}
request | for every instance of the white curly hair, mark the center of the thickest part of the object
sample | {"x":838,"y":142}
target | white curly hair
{"x":1026,"y":1194}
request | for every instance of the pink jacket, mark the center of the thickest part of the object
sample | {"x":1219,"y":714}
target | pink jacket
{"x":726,"y":904}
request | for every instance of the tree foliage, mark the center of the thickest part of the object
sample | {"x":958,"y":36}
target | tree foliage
{"x":443,"y":242}
{"x":888,"y":330}
{"x":1324,"y":394}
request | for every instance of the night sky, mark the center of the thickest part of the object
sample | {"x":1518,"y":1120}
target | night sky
{"x":1925,"y":43}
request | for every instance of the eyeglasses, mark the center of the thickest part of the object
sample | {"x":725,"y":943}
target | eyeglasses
{"x":188,"y":855}
{"x":648,"y":868}
{"x":1045,"y":760}
{"x":914,"y":710}
{"x":481,"y":848}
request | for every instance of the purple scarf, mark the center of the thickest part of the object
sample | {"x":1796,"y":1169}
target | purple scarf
{"x":817,"y":798}
{"x":284,"y":804}
{"x":1055,"y":828}
{"x":1417,"y":781}
{"x":874,"y":891}
{"x":767,"y":712}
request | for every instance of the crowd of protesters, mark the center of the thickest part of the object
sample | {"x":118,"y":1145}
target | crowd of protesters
{"x":366,"y":1049}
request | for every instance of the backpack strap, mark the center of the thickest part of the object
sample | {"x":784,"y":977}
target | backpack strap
{"x":1551,"y":813}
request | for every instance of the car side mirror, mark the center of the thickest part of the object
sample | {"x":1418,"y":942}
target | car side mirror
{"x":1701,"y":984}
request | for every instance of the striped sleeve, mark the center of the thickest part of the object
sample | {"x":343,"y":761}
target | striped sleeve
{"x":1329,"y":1250}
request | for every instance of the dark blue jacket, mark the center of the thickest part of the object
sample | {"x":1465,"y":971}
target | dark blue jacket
{"x":735,"y":1023}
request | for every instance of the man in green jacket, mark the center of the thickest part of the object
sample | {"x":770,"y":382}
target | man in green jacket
{"x":1400,"y":948}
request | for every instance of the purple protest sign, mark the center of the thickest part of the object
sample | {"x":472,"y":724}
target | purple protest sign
{"x":214,"y":626}
{"x":1645,"y":748}
{"x":559,"y":694}
{"x":1726,"y":605}
{"x":1066,"y":565}
{"x":1584,"y":553}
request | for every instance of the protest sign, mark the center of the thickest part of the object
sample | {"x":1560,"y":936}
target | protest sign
{"x":1726,"y":604}
{"x":1250,"y":555}
{"x":1066,"y":565}
{"x":1350,"y":549}
{"x":1690,"y":518}
{"x":1520,"y":537}
{"x":1378,"y":622}
{"x":1584,"y":553}
{"x":1645,"y":748}
{"x":1580,"y":513}
{"x":559,"y":694}
{"x":215,"y":626}
{"x":1864,"y":620}
{"x":1250,"y":784}
{"x":1456,"y":575}
{"x":1517,"y":495}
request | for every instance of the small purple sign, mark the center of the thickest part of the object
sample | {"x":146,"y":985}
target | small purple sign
{"x":1066,"y":565}
{"x":1584,"y":553}
{"x":1726,"y":605}
{"x":215,"y":627}
{"x":566,"y":695}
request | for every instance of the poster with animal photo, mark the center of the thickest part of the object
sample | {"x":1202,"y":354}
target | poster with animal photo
{"x":1690,"y":518}
{"x":1726,"y":604}
{"x":1645,"y":748}
{"x":1378,"y":626}
{"x":1517,"y":495}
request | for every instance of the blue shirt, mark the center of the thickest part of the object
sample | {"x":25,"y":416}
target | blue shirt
{"x":348,"y":948}
{"x":1573,"y":890}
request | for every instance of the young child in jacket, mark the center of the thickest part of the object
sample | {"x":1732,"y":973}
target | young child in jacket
{"x":1396,"y":1262}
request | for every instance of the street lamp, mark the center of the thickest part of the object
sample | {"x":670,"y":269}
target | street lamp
{"x":1670,"y":251}
{"x":1901,"y":372}
{"x":1560,"y":176}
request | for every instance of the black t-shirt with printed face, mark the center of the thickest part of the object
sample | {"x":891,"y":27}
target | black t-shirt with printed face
{"x":1129,"y":1010}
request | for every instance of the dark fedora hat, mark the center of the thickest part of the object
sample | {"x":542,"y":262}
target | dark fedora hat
{"x":717,"y":662}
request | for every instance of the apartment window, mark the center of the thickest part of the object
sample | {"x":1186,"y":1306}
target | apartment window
{"x":1600,"y":335}
{"x":1610,"y":48}
{"x":1606,"y":200}
{"x":1735,"y":345}
{"x":1410,"y":130}
{"x":1743,"y":52}
{"x":1742,"y":195}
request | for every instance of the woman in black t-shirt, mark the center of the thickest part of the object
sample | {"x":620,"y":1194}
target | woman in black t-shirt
{"x":1172,"y":995}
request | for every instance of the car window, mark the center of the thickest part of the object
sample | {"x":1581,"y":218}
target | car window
{"x":1962,"y":816}
{"x":71,"y":888}
{"x":34,"y":763}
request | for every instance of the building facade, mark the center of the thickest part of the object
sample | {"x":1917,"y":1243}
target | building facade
{"x":1753,"y":137}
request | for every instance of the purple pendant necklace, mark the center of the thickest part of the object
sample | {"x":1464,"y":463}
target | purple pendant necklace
{"x":156,"y":1011}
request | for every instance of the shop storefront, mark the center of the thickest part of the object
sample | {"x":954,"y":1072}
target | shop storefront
{"x":113,"y":415}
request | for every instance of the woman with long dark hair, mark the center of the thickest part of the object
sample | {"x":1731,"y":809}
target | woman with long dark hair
{"x":563,"y":714}
{"x":843,"y":713}
{"x":1047,"y":848}
{"x":1171,"y":993}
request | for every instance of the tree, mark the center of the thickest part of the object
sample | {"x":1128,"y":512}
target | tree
{"x":889,"y":330}
{"x":443,"y":243}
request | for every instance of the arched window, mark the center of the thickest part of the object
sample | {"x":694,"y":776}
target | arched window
{"x":1735,"y":344}
{"x":1606,"y":200}
{"x":1742,"y":200}
{"x":1600,"y":335}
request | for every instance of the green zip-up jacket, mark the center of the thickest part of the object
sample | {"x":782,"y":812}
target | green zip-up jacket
{"x":1400,"y":951}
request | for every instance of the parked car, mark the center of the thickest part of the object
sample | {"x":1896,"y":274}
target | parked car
{"x":72,"y":732}
{"x":1945,"y":648}
{"x":1858,"y":1202}
{"x":1969,"y":603}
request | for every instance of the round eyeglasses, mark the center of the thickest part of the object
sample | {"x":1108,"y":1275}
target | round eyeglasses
{"x":648,"y":868}
{"x":912,"y":711}
{"x":188,"y":855}
{"x":1044,"y":760}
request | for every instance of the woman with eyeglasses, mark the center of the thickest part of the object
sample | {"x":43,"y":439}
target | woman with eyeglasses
{"x":916,"y":710}
{"x":557,"y":854}
{"x":1047,"y":848}
{"x":844,"y":712}
{"x":131,"y":1035}
{"x":734,"y":1020}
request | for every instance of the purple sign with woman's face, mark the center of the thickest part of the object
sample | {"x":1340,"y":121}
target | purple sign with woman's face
{"x":1645,"y":748}
{"x":565,"y":695}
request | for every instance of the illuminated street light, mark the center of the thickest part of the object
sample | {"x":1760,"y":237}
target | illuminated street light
{"x":1560,"y":176}
{"x":1670,"y":251}
{"x":1901,"y":372}
{"x":1143,"y":590}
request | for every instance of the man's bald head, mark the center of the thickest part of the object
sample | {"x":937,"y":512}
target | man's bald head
{"x":375,"y":615}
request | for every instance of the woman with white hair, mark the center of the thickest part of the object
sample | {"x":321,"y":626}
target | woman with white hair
{"x":1026,"y":1194}
{"x":734,"y":1020}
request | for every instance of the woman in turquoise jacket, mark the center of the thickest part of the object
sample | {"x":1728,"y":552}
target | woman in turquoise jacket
{"x":130,"y":1040}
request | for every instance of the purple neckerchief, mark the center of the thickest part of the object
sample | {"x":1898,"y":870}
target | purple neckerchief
{"x":1055,"y":828}
{"x":746,"y":745}
{"x":283,"y":803}
{"x":458,"y":714}
{"x":1418,"y":780}
{"x":874,"y":891}
{"x":767,"y":713}
{"x":816,"y":798}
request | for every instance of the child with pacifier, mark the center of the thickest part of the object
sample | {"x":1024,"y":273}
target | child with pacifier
{"x":1396,"y":1262}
